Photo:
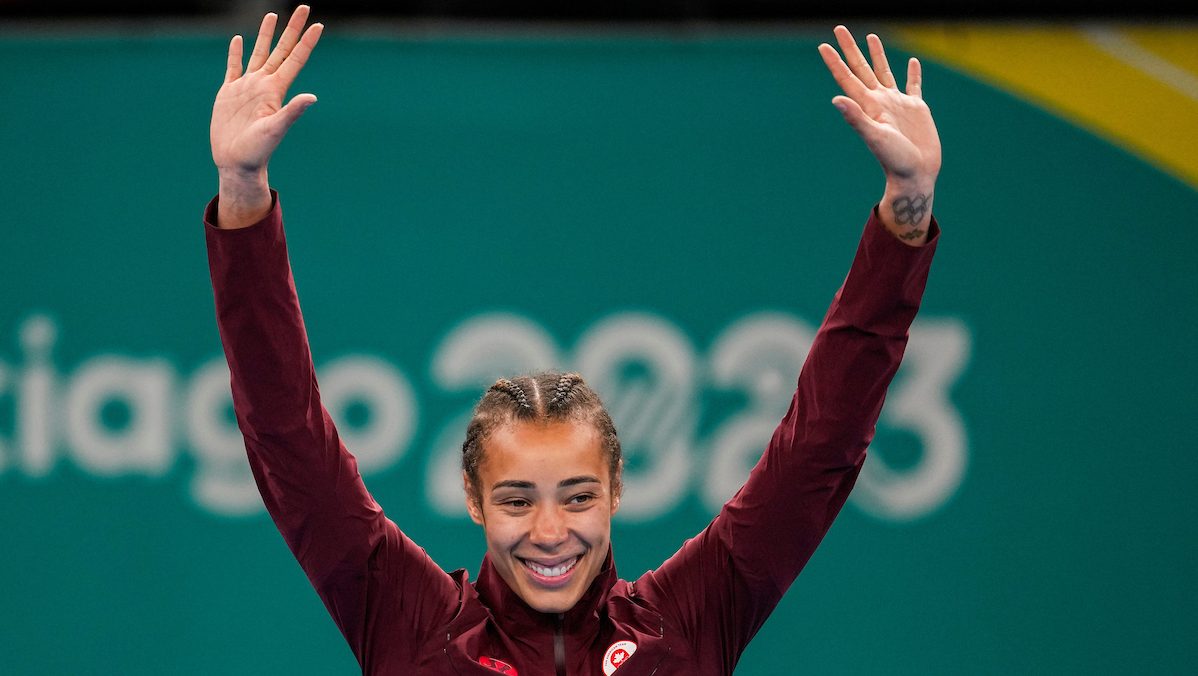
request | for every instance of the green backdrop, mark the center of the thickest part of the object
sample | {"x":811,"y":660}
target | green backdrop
{"x":671,"y":213}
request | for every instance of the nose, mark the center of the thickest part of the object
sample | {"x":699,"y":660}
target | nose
{"x":549,"y":528}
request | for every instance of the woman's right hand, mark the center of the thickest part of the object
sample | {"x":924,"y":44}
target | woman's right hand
{"x":249,"y":118}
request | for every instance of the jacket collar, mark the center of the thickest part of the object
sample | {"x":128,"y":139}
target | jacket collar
{"x":514,"y":614}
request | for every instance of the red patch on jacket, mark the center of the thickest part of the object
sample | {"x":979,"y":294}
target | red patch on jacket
{"x":501,"y":667}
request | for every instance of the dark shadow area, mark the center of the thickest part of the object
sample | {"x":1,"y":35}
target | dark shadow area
{"x":738,"y":11}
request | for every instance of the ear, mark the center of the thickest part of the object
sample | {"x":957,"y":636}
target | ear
{"x":472,"y":501}
{"x":617,"y":487}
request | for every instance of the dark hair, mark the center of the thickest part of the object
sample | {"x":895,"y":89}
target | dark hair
{"x":540,"y":397}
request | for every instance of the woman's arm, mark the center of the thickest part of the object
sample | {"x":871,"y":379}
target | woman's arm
{"x":721,"y":585}
{"x":374,"y":581}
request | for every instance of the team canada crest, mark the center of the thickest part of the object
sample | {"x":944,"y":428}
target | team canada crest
{"x":496,"y":665}
{"x":617,"y":655}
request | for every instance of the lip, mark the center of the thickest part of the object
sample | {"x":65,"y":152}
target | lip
{"x":548,"y":581}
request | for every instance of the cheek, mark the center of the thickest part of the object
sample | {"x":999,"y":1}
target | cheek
{"x":596,"y":527}
{"x":500,"y":531}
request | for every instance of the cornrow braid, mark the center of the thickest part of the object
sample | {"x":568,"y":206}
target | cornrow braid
{"x":540,"y":397}
{"x":563,"y":391}
{"x":513,"y":390}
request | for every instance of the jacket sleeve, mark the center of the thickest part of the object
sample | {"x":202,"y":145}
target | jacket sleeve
{"x":722,"y":584}
{"x":369,"y":575}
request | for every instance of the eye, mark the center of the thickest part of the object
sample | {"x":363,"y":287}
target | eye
{"x":516,"y":503}
{"x":581,"y":499}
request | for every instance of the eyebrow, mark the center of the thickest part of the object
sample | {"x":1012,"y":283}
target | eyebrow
{"x":564,"y":483}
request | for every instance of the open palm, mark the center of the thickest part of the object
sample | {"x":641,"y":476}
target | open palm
{"x":896,"y":126}
{"x":249,"y":118}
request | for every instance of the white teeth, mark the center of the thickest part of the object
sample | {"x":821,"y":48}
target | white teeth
{"x":556,"y":571}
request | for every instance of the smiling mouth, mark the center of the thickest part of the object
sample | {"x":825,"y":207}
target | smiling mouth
{"x":551,"y":575}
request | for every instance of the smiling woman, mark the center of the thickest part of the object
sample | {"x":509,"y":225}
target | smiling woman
{"x":545,"y":503}
{"x":541,"y":461}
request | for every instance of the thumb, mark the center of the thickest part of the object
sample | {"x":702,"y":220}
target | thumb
{"x":853,"y":114}
{"x":288,"y":114}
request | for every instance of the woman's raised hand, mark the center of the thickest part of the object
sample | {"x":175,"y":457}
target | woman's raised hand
{"x":249,"y":118}
{"x":896,"y":126}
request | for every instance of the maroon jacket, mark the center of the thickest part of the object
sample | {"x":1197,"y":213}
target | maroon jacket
{"x":694,"y":615}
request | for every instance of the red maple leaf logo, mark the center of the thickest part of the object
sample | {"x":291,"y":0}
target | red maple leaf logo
{"x":497,"y":665}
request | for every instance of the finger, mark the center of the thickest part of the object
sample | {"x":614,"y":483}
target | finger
{"x":233,"y":69}
{"x":282,"y":120}
{"x":288,"y":39}
{"x":854,"y":57}
{"x":299,"y":56}
{"x":881,"y":66}
{"x":841,"y":73}
{"x":914,"y":78}
{"x":857,"y":119}
{"x":266,"y":33}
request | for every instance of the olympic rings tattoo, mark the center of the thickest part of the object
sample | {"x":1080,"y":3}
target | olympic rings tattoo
{"x":911,"y":210}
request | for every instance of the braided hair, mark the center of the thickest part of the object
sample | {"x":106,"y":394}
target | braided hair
{"x":541,"y":397}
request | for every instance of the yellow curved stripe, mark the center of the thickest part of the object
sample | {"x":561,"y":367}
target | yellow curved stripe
{"x":1172,"y":43}
{"x":1136,"y":85}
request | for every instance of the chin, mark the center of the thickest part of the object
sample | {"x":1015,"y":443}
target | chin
{"x":552,"y":606}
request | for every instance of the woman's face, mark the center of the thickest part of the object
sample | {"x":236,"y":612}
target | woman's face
{"x":545,"y":503}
